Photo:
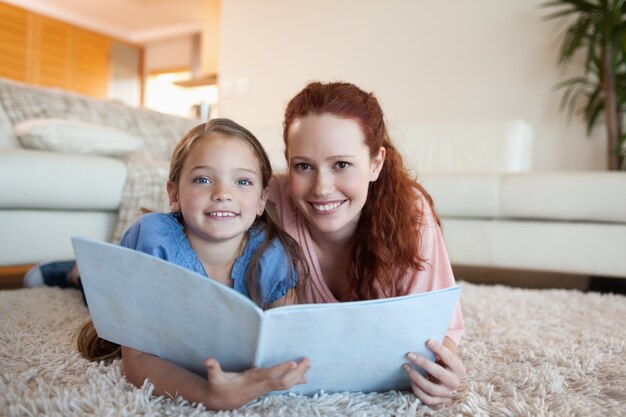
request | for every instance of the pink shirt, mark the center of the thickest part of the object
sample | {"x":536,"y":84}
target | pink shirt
{"x":436,"y":274}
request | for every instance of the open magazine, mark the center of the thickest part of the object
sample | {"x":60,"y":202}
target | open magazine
{"x":157,"y":307}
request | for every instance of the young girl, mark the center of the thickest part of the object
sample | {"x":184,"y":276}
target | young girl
{"x":367,"y":228}
{"x":217,"y":190}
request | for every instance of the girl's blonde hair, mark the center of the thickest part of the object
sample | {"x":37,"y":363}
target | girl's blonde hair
{"x":93,"y":347}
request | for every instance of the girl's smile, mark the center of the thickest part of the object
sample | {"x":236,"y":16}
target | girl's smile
{"x":222,"y":214}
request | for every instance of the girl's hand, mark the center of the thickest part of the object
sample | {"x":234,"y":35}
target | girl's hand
{"x":229,"y":390}
{"x":445,"y":375}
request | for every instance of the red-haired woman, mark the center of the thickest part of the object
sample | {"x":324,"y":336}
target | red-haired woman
{"x":367,"y":229}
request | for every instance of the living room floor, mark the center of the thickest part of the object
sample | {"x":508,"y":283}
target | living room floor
{"x":539,"y":280}
{"x":11,"y":278}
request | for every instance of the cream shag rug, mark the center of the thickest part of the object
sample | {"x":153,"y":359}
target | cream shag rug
{"x":528,"y":353}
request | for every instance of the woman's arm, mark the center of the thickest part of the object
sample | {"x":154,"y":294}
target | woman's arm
{"x":221,"y":390}
{"x":445,"y":374}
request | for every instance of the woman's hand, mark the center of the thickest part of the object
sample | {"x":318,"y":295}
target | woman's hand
{"x":229,"y":390}
{"x":445,"y":375}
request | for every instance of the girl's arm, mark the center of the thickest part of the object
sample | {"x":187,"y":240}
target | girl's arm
{"x":445,"y":374}
{"x":221,"y":390}
{"x":289,"y":299}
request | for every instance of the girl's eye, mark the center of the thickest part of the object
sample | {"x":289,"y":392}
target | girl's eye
{"x":202,"y":180}
{"x":244,"y":181}
{"x":302,"y":166}
{"x":342,"y":164}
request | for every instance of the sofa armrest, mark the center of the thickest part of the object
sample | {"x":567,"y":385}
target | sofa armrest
{"x":33,"y":179}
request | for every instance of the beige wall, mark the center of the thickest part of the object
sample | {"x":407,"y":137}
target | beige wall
{"x":124,"y":71}
{"x":427,"y":61}
{"x":167,"y":54}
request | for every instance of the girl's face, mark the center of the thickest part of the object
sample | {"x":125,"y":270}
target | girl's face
{"x":330,"y":169}
{"x":220,"y":190}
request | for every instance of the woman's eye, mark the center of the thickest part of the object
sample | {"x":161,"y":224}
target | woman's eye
{"x":302,"y":166}
{"x":202,"y":180}
{"x":342,"y":164}
{"x":244,"y":181}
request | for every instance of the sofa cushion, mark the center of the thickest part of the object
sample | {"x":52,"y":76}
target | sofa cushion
{"x":590,"y":195}
{"x":476,"y":147}
{"x":468,"y":195}
{"x":443,"y":148}
{"x":51,"y":180}
{"x":75,"y":136}
{"x":44,"y":235}
{"x":160,"y":132}
{"x":569,"y":247}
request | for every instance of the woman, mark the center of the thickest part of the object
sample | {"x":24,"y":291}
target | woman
{"x":367,"y":229}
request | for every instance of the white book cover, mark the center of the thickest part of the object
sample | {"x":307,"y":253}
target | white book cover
{"x":157,"y":307}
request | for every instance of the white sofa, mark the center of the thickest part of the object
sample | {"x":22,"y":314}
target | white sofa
{"x":496,"y":211}
{"x":47,"y":196}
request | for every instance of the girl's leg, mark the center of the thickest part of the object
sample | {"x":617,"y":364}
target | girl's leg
{"x":63,"y":274}
{"x":54,"y":274}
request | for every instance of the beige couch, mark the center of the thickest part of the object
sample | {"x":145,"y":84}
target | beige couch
{"x":496,"y":211}
{"x":49,"y":194}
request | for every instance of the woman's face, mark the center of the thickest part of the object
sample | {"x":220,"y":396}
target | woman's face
{"x":330,"y":169}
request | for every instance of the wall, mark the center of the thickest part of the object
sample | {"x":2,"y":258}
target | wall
{"x":124,"y":82}
{"x":427,"y":62}
{"x":167,"y":54}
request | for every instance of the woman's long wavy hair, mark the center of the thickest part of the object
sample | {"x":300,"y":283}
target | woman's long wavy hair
{"x":385,"y":241}
{"x":93,"y":347}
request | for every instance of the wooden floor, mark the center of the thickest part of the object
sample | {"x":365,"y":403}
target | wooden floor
{"x":11,"y":276}
{"x":519,"y":278}
{"x":539,"y":280}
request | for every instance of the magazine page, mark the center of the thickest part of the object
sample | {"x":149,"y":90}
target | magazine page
{"x":356,"y":346}
{"x":157,"y":307}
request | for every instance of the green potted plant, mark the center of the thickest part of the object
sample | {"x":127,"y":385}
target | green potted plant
{"x":596,"y":28}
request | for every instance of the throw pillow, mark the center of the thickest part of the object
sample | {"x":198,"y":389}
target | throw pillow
{"x":75,"y":136}
{"x":7,"y":137}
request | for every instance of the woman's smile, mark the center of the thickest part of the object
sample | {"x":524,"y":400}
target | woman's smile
{"x":326,"y":207}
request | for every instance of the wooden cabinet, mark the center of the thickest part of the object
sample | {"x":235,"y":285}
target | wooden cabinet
{"x":51,"y":53}
{"x":89,"y":63}
{"x":15,"y":54}
{"x":43,"y":51}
